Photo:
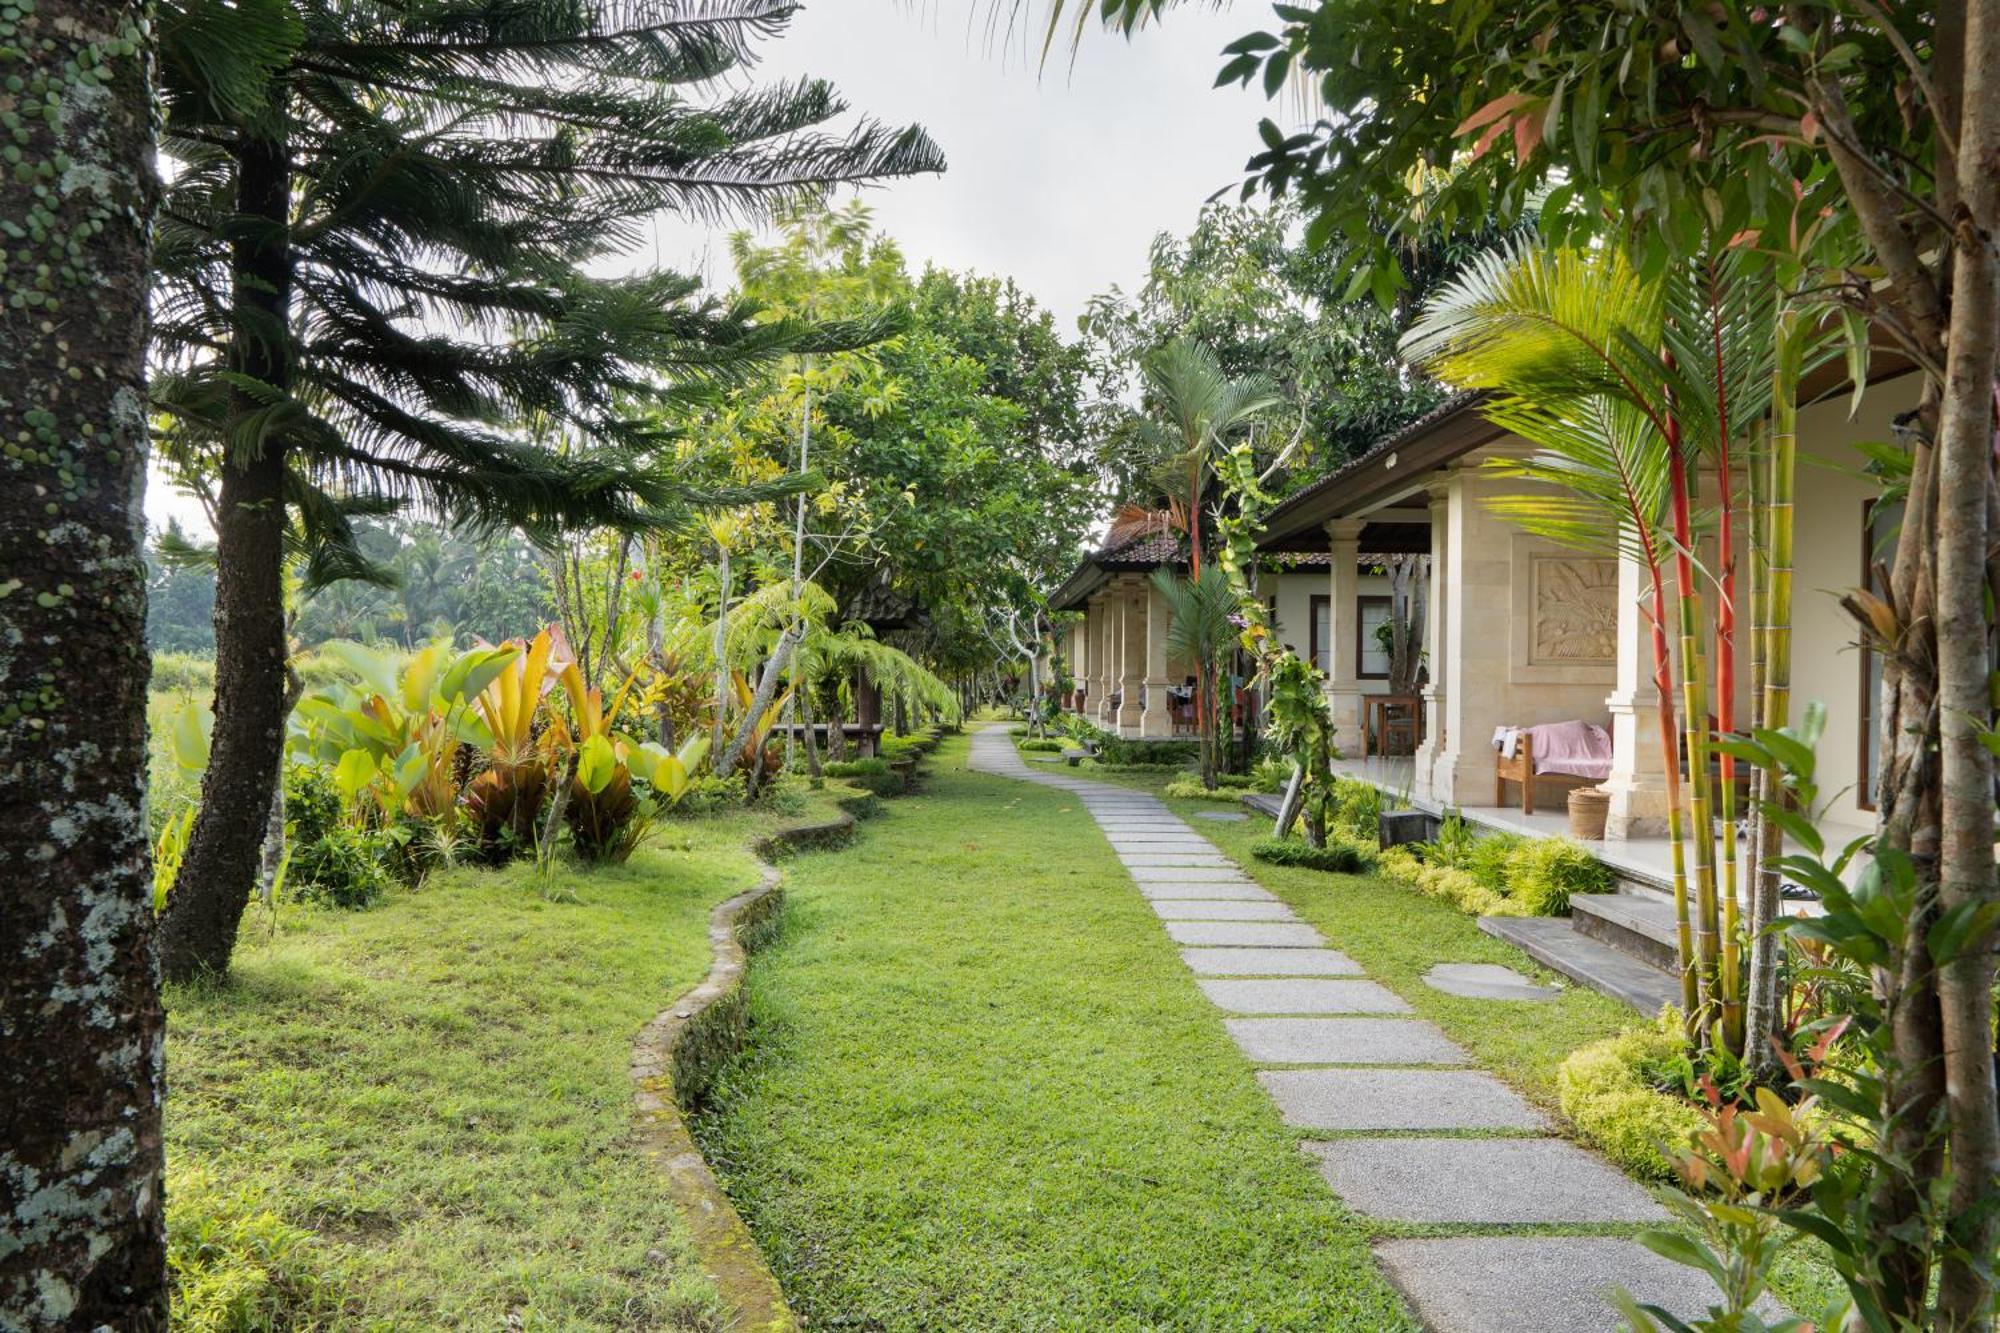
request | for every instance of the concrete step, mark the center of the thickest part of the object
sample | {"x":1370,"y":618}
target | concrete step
{"x":1641,"y":924}
{"x":1556,"y":944}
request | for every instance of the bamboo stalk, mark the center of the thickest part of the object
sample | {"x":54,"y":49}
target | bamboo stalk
{"x":1694,"y":692}
{"x":1731,"y":978}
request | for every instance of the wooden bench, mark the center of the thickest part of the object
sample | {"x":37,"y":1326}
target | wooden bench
{"x":1521,"y":769}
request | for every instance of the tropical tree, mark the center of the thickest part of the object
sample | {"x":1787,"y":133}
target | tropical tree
{"x":1196,"y":410}
{"x":1199,"y":630}
{"x":81,"y":1025}
{"x":370,"y":274}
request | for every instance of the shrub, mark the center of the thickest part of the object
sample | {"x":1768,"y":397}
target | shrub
{"x":1150,"y":754}
{"x":873,"y":775}
{"x":1270,"y":775}
{"x":854,"y":768}
{"x":1041,"y":745}
{"x":1454,"y":842}
{"x":312,"y":803}
{"x":1190,"y":789}
{"x":1337,"y":857}
{"x":1401,"y":865}
{"x":343,"y":868}
{"x":1486,"y":859}
{"x":1603,"y":1089}
{"x":1463,"y":892}
{"x":1542,"y":873}
{"x":709,"y":793}
{"x":183,"y":673}
{"x":1357,"y":807}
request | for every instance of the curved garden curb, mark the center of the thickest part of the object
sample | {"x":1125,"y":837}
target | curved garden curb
{"x":677,"y":1055}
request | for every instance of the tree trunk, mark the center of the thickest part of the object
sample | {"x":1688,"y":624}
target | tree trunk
{"x":760,"y":702}
{"x":1965,"y":693}
{"x":82,"y":1230}
{"x":719,"y":730}
{"x":812,"y":741}
{"x":219,"y":874}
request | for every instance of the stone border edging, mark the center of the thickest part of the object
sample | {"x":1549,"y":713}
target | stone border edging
{"x":674,"y":1063}
{"x":676,"y":1056}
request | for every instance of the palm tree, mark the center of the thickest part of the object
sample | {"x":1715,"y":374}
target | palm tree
{"x":1198,"y":410}
{"x":1624,"y":385}
{"x":1199,"y":630}
{"x":369,"y":277}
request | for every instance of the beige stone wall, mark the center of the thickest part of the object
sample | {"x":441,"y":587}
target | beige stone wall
{"x":1533,"y":632}
{"x":1831,"y":501}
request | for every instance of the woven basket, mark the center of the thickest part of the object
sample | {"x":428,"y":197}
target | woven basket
{"x":1587,"y":810}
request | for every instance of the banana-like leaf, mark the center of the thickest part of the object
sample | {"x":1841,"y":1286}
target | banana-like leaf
{"x":596,"y":764}
{"x":375,"y":668}
{"x":356,"y":769}
{"x":189,"y":734}
{"x":468,"y":677}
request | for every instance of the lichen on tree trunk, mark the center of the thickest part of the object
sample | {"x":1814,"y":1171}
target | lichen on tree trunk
{"x":82,"y":1233}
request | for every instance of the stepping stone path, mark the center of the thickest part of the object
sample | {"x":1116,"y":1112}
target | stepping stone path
{"x":1485,"y":981}
{"x":1341,"y":1054}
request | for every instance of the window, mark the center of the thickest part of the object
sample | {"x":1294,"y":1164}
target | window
{"x":1322,"y":632}
{"x":1879,"y":525}
{"x":1370,"y":653}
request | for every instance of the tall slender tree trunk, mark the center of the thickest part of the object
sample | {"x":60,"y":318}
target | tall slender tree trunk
{"x":1774,"y":636}
{"x":82,"y":1230}
{"x":219,"y":874}
{"x":719,"y":732}
{"x":1965,"y":693}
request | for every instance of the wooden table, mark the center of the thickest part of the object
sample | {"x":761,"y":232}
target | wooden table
{"x":1374,"y":709}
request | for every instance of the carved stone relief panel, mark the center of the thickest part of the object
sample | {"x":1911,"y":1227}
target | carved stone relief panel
{"x":1573,"y":619}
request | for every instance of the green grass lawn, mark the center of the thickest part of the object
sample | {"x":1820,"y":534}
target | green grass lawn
{"x":985,"y":1094}
{"x":419,"y":1116}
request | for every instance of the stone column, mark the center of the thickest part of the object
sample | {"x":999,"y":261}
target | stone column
{"x":1106,"y":676}
{"x":1157,"y":720}
{"x":1437,"y":639}
{"x":1131,"y":656}
{"x":1343,"y":686}
{"x":1476,"y":628}
{"x":1638,"y":781}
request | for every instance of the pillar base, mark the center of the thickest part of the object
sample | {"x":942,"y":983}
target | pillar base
{"x":1344,"y":701}
{"x":1638,"y":810}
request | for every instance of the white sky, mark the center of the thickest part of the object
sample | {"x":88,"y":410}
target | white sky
{"x":1059,"y":179}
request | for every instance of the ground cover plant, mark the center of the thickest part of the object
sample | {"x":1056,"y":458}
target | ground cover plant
{"x":984,"y":1095}
{"x":419,"y":1115}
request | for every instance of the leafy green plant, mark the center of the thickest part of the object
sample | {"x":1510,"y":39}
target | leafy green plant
{"x":1358,"y":807}
{"x":1486,"y":859}
{"x":1190,"y":789}
{"x":506,"y":797}
{"x":1543,"y":873}
{"x":1040,"y":745}
{"x":345,"y":868}
{"x":1454,"y":841}
{"x":1606,"y":1090}
{"x":1337,"y":857}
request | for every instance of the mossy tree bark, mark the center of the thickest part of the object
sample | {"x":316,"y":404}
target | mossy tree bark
{"x":82,"y":1236}
{"x":219,"y":873}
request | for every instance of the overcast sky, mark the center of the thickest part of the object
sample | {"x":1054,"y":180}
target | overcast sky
{"x":1058,"y":178}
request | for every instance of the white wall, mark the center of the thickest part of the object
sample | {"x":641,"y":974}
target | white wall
{"x":1826,"y":664}
{"x":1295,"y":593}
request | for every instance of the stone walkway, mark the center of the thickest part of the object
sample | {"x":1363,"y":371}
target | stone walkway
{"x":1398,"y":1124}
